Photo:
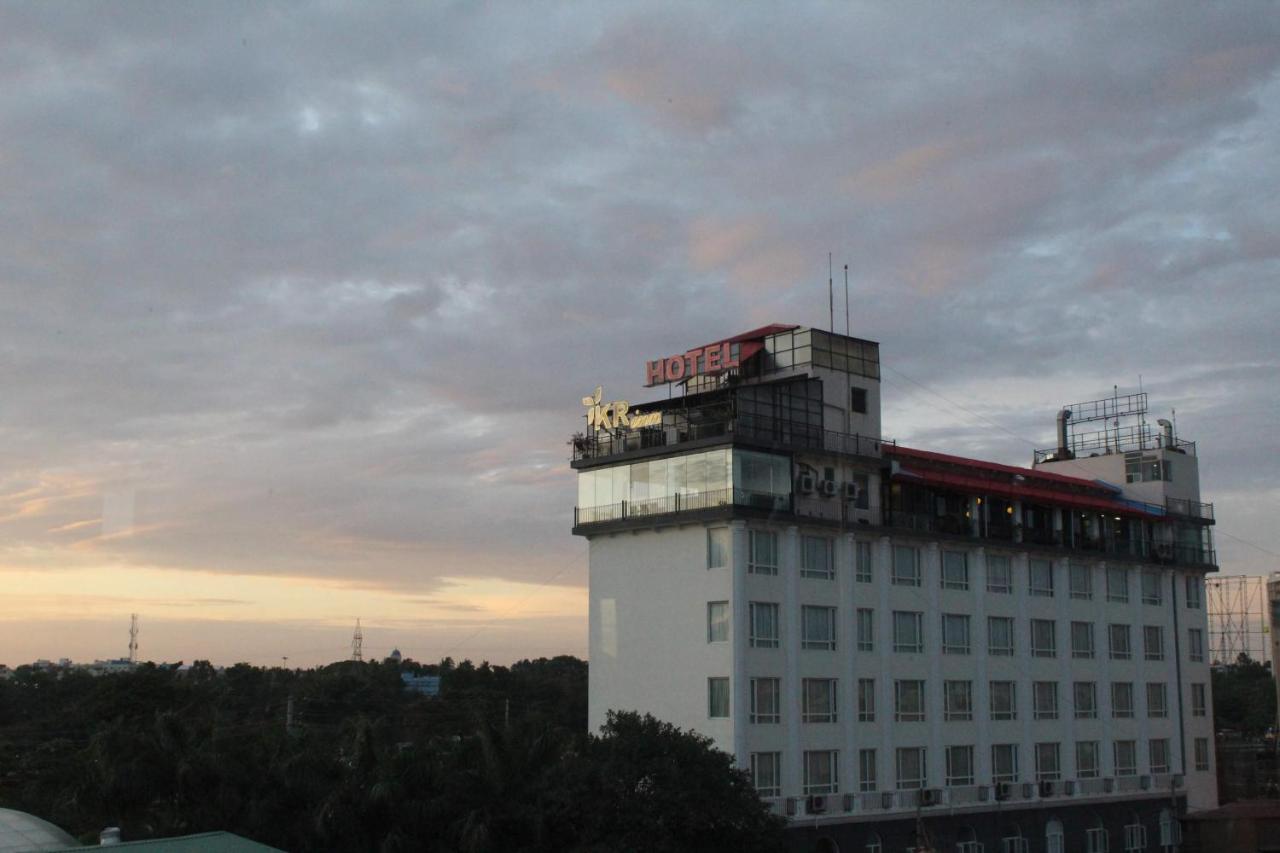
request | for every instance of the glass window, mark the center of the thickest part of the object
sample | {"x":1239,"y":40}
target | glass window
{"x":958,"y":700}
{"x":1126,"y":755}
{"x":1195,"y":592}
{"x":862,"y":562}
{"x":1082,"y":640}
{"x":717,"y":547}
{"x":908,"y":631}
{"x":1087,"y":766}
{"x":866,"y":700}
{"x":818,"y":697}
{"x":1118,"y":640}
{"x":1081,"y":581}
{"x":999,"y":635}
{"x":818,"y":627}
{"x":1047,"y":768}
{"x":1117,"y":584}
{"x":763,"y":559}
{"x":1004,"y":762}
{"x":955,"y":570}
{"x":1158,"y":749}
{"x":1151,"y":587}
{"x":1004,"y":700}
{"x":1044,"y":642}
{"x":1153,"y":642}
{"x":1053,"y":839}
{"x":1086,"y":700}
{"x":955,"y":634}
{"x":959,"y":765}
{"x":815,"y":557}
{"x":1044,"y":700}
{"x":820,"y":772}
{"x":1195,"y":645}
{"x":1041,"y":572}
{"x":1157,"y":699}
{"x":858,"y":400}
{"x":1096,"y":840}
{"x":866,"y":629}
{"x":764,"y":624}
{"x":906,"y":565}
{"x":766,"y":700}
{"x":717,"y":697}
{"x":911,"y":768}
{"x":717,"y":621}
{"x":766,"y":773}
{"x":1121,"y":699}
{"x":1201,"y":747}
{"x":999,"y":574}
{"x":866,"y":770}
{"x":1199,"y":703}
{"x":908,"y":701}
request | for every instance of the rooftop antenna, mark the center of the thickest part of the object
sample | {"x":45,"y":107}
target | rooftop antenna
{"x":846,"y":299}
{"x":133,"y":638}
{"x":831,"y":295}
{"x":357,"y":643}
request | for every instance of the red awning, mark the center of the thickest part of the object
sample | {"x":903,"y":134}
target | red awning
{"x":1014,"y":491}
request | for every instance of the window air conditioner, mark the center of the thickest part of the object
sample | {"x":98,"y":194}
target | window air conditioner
{"x":815,"y":805}
{"x":805,"y":484}
{"x":848,"y":802}
{"x":1069,"y":788}
{"x":1046,"y":789}
{"x":827,"y":488}
{"x":930,"y":797}
{"x":851,"y":491}
{"x":1003,"y":790}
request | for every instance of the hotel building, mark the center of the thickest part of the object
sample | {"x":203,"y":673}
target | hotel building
{"x":906,"y":649}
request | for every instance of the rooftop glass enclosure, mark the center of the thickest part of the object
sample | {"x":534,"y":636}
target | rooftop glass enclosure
{"x":690,"y":481}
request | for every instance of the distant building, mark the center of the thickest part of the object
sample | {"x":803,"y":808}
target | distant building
{"x":903,"y":647}
{"x":394,"y":657}
{"x":427,"y":685}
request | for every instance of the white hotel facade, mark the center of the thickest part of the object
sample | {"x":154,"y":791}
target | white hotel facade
{"x":904,"y":648}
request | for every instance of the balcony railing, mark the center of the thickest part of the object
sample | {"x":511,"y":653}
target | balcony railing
{"x":1190,"y":509}
{"x":680,"y":503}
{"x":766,"y":431}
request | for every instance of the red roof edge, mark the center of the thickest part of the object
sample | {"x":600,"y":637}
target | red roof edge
{"x":995,"y":467}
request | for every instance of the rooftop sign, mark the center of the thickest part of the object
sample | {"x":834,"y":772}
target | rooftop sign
{"x":611,"y":416}
{"x":704,"y":361}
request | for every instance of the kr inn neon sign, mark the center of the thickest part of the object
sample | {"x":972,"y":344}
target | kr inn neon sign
{"x":616,"y":414}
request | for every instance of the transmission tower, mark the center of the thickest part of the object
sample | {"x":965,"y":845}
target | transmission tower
{"x":133,"y":639}
{"x":1237,"y":618}
{"x":357,"y":643}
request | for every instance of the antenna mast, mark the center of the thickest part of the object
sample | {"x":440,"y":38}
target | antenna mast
{"x":357,"y":643}
{"x":133,"y":639}
{"x":846,"y":299}
{"x":831,"y":295}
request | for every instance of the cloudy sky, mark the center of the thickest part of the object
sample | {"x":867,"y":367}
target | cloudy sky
{"x":299,"y":302}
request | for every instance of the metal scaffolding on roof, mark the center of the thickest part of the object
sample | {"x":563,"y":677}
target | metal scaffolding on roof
{"x":1237,"y":610}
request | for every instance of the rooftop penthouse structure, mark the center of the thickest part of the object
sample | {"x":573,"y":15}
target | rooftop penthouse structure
{"x":902,"y":646}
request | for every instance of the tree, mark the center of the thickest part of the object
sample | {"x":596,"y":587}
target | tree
{"x":1244,"y":696}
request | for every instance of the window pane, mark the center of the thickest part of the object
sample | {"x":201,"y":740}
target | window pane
{"x":717,"y":621}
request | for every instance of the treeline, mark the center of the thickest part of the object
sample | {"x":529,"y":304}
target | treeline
{"x":344,"y":758}
{"x":1244,"y":697}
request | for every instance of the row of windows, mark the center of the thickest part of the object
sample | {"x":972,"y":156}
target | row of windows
{"x":817,"y":560}
{"x":821,"y":768}
{"x":818,"y":631}
{"x":818,"y":700}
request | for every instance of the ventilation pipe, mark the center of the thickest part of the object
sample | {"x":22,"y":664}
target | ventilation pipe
{"x":1064,"y":452}
{"x":1167,"y":427}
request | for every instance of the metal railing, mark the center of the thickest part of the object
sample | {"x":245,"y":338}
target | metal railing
{"x":673,"y":504}
{"x":745,"y":427}
{"x":1189,"y":509}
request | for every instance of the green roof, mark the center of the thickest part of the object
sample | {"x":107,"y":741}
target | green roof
{"x":205,"y":842}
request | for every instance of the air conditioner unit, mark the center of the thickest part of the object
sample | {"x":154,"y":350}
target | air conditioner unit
{"x":815,"y":805}
{"x":1003,"y":790}
{"x":886,"y":800}
{"x":1046,"y":789}
{"x":984,"y":793}
{"x":827,"y":488}
{"x":930,"y":797}
{"x":848,"y":802}
{"x":851,"y":491}
{"x":791,"y":806}
{"x":1028,"y":790}
{"x":1145,"y":783}
{"x":1108,"y":785}
{"x":1069,"y":788}
{"x":805,"y":484}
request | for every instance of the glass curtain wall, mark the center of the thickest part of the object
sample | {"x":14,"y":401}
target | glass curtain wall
{"x":692,"y":481}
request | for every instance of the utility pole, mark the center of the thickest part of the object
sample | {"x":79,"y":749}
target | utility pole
{"x":133,"y":639}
